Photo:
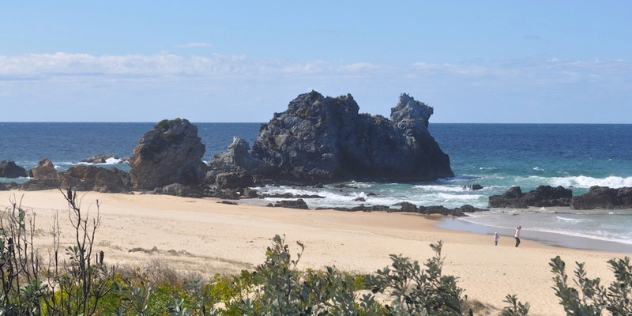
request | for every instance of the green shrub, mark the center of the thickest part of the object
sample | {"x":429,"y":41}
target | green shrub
{"x":419,"y":292}
{"x":592,"y":298}
{"x":164,"y":124}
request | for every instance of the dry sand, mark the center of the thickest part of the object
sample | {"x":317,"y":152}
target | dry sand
{"x":209,"y":237}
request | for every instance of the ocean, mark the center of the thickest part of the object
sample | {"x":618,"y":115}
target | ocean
{"x":496,"y":156}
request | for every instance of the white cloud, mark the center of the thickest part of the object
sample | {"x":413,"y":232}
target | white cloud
{"x":537,"y":71}
{"x":138,"y":86}
{"x":195,"y":45}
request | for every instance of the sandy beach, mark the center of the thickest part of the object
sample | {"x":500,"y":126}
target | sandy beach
{"x":209,"y":237}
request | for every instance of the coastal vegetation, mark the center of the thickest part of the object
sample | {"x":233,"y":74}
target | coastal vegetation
{"x":76,"y":280}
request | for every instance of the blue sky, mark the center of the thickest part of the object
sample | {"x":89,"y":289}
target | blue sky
{"x":241,"y":61}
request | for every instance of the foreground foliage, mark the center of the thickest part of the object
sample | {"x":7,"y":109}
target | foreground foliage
{"x":78,"y":282}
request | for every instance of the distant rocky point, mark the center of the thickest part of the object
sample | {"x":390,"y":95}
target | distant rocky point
{"x":603,"y":198}
{"x":544,"y":196}
{"x":324,"y":140}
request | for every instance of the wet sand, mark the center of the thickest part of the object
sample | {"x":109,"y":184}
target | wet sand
{"x":546,"y":238}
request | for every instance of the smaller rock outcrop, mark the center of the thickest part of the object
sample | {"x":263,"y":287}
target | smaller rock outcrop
{"x":603,"y":198}
{"x":407,"y":207}
{"x":93,"y":178}
{"x":8,"y":169}
{"x":45,"y":170}
{"x":171,"y":152}
{"x":177,"y":189}
{"x":298,"y":204}
{"x":473,"y":187}
{"x":44,"y":177}
{"x":542,"y":196}
{"x":234,"y":180}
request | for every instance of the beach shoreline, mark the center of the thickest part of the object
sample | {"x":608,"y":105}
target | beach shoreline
{"x":545,"y":238}
{"x":207,"y":237}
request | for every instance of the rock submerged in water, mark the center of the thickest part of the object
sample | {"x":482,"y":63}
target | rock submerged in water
{"x":169,"y":153}
{"x":323,"y":140}
{"x":596,"y":198}
{"x":603,"y":198}
{"x":542,"y":196}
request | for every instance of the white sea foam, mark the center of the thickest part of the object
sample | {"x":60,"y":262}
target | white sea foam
{"x":573,"y":220}
{"x":487,"y":168}
{"x":113,"y":161}
{"x":438,"y":188}
{"x":459,"y":197}
{"x":587,"y":182}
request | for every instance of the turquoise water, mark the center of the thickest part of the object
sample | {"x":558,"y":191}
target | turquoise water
{"x":497,"y":156}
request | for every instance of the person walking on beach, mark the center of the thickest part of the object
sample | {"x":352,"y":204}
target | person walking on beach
{"x":496,"y":237}
{"x":517,"y":235}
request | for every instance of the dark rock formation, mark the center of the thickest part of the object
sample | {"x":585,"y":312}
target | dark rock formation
{"x":234,"y":180}
{"x":603,"y":198}
{"x":344,"y":186}
{"x":362,"y":208}
{"x":459,"y":211}
{"x":288,"y":195}
{"x":542,"y":196}
{"x":44,"y":170}
{"x":545,"y":195}
{"x":299,"y":204}
{"x":411,"y":208}
{"x":3,"y":187}
{"x":228,"y":202}
{"x":408,"y":207}
{"x":323,"y":140}
{"x":44,"y":177}
{"x":473,"y":187}
{"x":41,"y":184}
{"x":439,"y":209}
{"x":124,"y":176}
{"x":250,"y":194}
{"x":169,"y":153}
{"x":8,"y":169}
{"x":93,"y":178}
{"x":177,"y":189}
{"x":510,"y":199}
{"x":471,"y":209}
{"x":100,"y":158}
{"x":227,"y":194}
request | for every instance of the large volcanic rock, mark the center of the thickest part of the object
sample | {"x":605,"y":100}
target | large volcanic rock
{"x":542,"y":196}
{"x":8,"y":169}
{"x":169,"y":153}
{"x":322,"y":139}
{"x":604,"y":198}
